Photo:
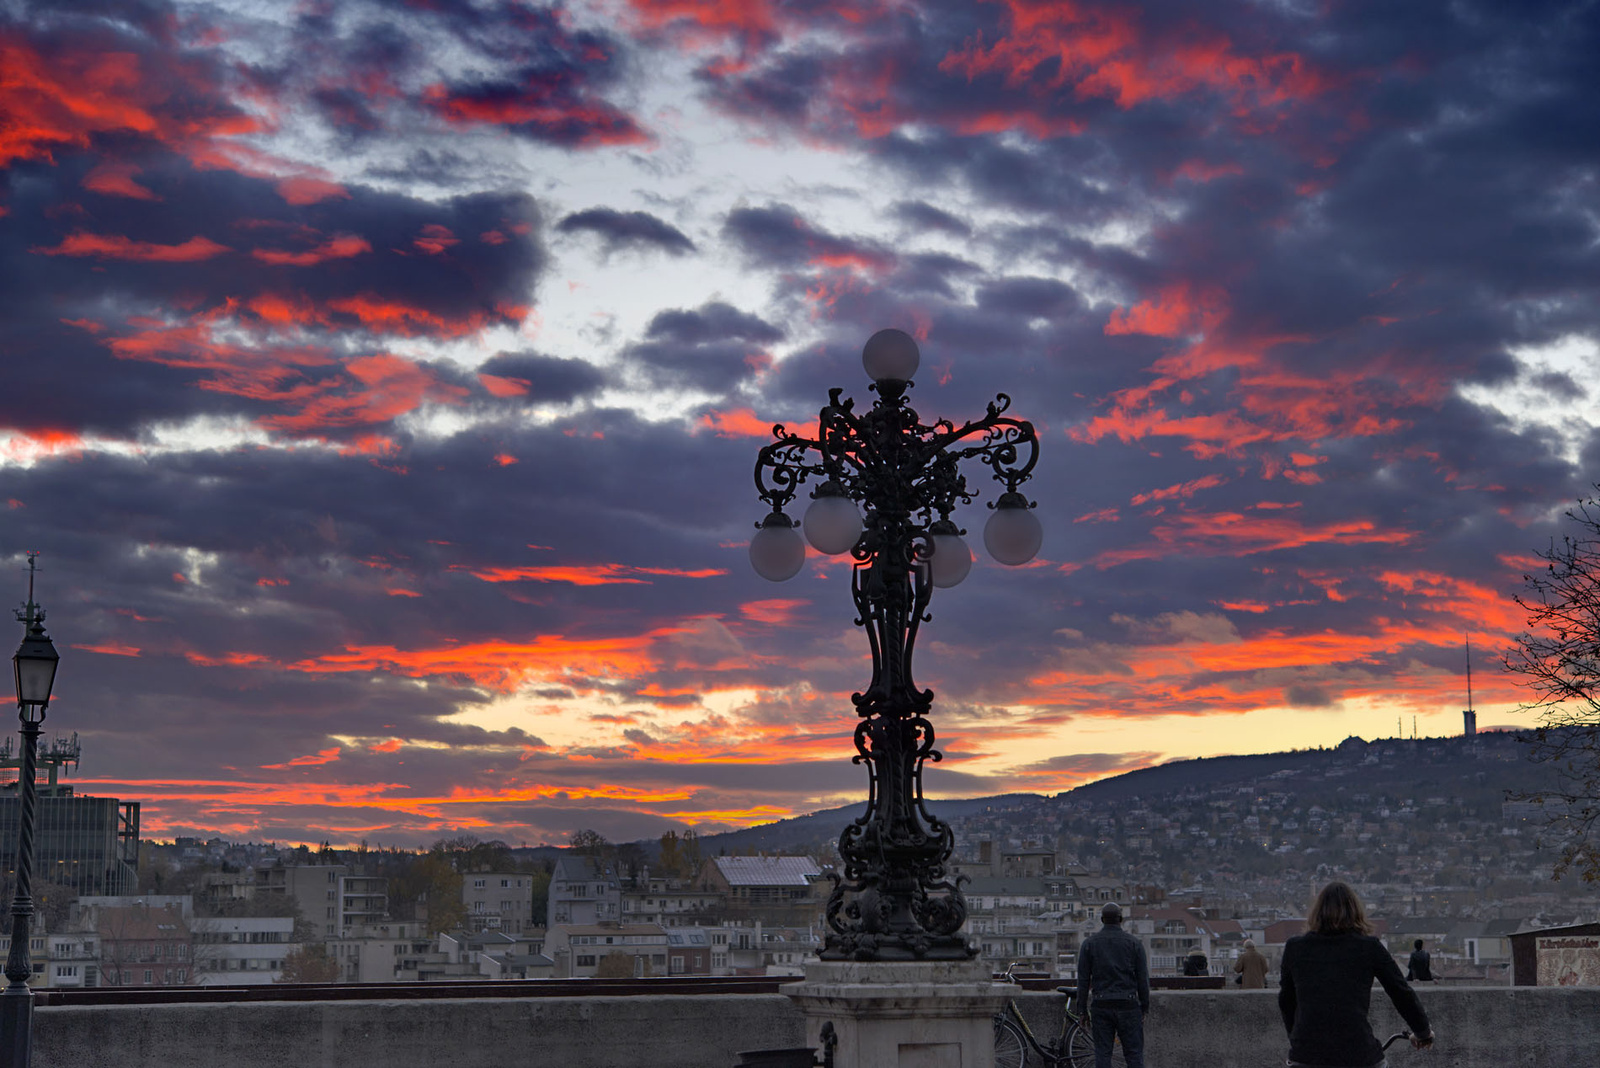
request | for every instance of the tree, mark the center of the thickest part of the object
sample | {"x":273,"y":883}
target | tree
{"x":619,"y":965}
{"x":1559,"y":657}
{"x":310,"y":964}
{"x":589,"y":843}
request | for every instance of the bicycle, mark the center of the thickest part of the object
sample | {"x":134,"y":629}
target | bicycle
{"x":1016,"y":1046}
{"x":1384,"y":1049}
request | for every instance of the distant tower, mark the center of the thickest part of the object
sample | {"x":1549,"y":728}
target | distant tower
{"x":1469,"y":718}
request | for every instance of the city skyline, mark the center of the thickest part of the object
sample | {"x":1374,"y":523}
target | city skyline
{"x":384,"y":383}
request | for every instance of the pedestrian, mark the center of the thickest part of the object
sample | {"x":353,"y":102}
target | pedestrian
{"x":1195,"y":963}
{"x":1114,"y":982}
{"x":1419,"y":969}
{"x":1326,"y":987}
{"x":1251,"y":968}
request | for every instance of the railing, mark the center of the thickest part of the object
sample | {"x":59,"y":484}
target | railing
{"x":447,"y":988}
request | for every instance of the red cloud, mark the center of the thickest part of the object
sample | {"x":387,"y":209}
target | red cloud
{"x":1048,"y":46}
{"x":583,"y":574}
{"x":435,"y":239}
{"x":579,"y":123}
{"x":116,"y":247}
{"x":340,"y":247}
{"x":1178,"y":310}
{"x":65,"y":99}
{"x":739,"y":423}
{"x":115,"y":178}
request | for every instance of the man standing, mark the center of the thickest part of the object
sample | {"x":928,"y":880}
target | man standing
{"x":1420,"y":967}
{"x":1114,"y":981}
{"x":1252,"y":967}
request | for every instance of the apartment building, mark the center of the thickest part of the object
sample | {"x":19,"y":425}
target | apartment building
{"x":498,"y":901}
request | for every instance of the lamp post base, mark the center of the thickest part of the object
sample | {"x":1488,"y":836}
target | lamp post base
{"x":903,"y":1015}
{"x":16,"y":1026}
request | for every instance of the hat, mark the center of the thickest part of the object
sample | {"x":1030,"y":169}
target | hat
{"x":1111,"y":912}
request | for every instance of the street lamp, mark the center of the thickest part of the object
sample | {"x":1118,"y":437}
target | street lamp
{"x":35,"y":663}
{"x":888,"y":483}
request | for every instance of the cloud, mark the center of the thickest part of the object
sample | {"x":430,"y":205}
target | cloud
{"x":628,"y":229}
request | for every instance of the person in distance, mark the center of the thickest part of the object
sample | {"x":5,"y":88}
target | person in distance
{"x":1326,"y":987}
{"x":1251,"y":967}
{"x":1419,"y":969}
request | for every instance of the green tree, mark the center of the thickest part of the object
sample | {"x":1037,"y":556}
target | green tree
{"x":1559,"y":659}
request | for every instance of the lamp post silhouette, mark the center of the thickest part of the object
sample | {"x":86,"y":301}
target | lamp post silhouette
{"x":887,"y":485}
{"x":35,"y":664}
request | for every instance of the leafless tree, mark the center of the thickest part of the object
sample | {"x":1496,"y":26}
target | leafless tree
{"x":1559,"y":658}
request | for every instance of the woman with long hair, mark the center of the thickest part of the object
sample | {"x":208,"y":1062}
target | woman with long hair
{"x":1327,"y":987}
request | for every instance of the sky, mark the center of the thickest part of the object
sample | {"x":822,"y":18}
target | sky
{"x":383,"y":383}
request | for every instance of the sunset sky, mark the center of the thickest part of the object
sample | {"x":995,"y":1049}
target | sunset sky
{"x":383,"y":383}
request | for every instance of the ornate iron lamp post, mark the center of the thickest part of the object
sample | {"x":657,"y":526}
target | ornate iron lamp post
{"x":887,"y":485}
{"x":35,"y":663}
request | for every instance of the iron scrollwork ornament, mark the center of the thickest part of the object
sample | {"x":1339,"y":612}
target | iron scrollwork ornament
{"x":896,"y":898}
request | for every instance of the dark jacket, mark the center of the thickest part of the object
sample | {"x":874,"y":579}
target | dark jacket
{"x":1326,"y":991}
{"x":1112,"y":967}
{"x":1420,"y":966}
{"x":1196,"y":964}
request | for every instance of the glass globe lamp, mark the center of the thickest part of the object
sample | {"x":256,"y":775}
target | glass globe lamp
{"x":891,"y":356}
{"x":952,"y":558}
{"x":1013,"y":534}
{"x":833,"y":522}
{"x":777,"y":551}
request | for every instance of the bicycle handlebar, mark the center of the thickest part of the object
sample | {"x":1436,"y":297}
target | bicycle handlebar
{"x":1417,"y":1043}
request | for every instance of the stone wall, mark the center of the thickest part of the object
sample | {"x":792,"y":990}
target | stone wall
{"x":1477,"y":1028}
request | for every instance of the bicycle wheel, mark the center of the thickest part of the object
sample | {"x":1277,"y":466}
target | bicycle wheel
{"x":1009,"y":1049}
{"x":1080,"y":1048}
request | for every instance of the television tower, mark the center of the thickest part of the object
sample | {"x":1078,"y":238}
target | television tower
{"x":1469,"y":718}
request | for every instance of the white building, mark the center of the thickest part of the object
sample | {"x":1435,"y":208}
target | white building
{"x":241,"y":950}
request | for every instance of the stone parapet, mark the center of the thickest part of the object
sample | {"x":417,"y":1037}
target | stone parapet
{"x":1557,"y":1027}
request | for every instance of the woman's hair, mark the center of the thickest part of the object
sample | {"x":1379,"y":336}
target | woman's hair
{"x":1337,"y":910}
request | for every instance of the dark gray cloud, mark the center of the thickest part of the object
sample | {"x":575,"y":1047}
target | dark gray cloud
{"x":628,"y":229}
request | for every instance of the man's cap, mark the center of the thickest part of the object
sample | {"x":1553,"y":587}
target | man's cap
{"x":1111,"y":912}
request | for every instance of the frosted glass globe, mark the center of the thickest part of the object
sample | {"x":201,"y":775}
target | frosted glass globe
{"x":952,"y":559}
{"x":833,"y":524}
{"x":777,"y":551}
{"x":891,"y":355}
{"x":1013,"y":534}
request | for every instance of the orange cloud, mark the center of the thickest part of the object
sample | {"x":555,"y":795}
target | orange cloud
{"x":324,"y":756}
{"x":777,"y":611}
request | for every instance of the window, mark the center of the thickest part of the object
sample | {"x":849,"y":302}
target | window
{"x":479,"y":884}
{"x":66,"y":971}
{"x":181,"y":975}
{"x":149,"y":977}
{"x":505,"y":883}
{"x":585,"y":960}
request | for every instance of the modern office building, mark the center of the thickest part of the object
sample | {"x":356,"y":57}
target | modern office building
{"x":90,"y":844}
